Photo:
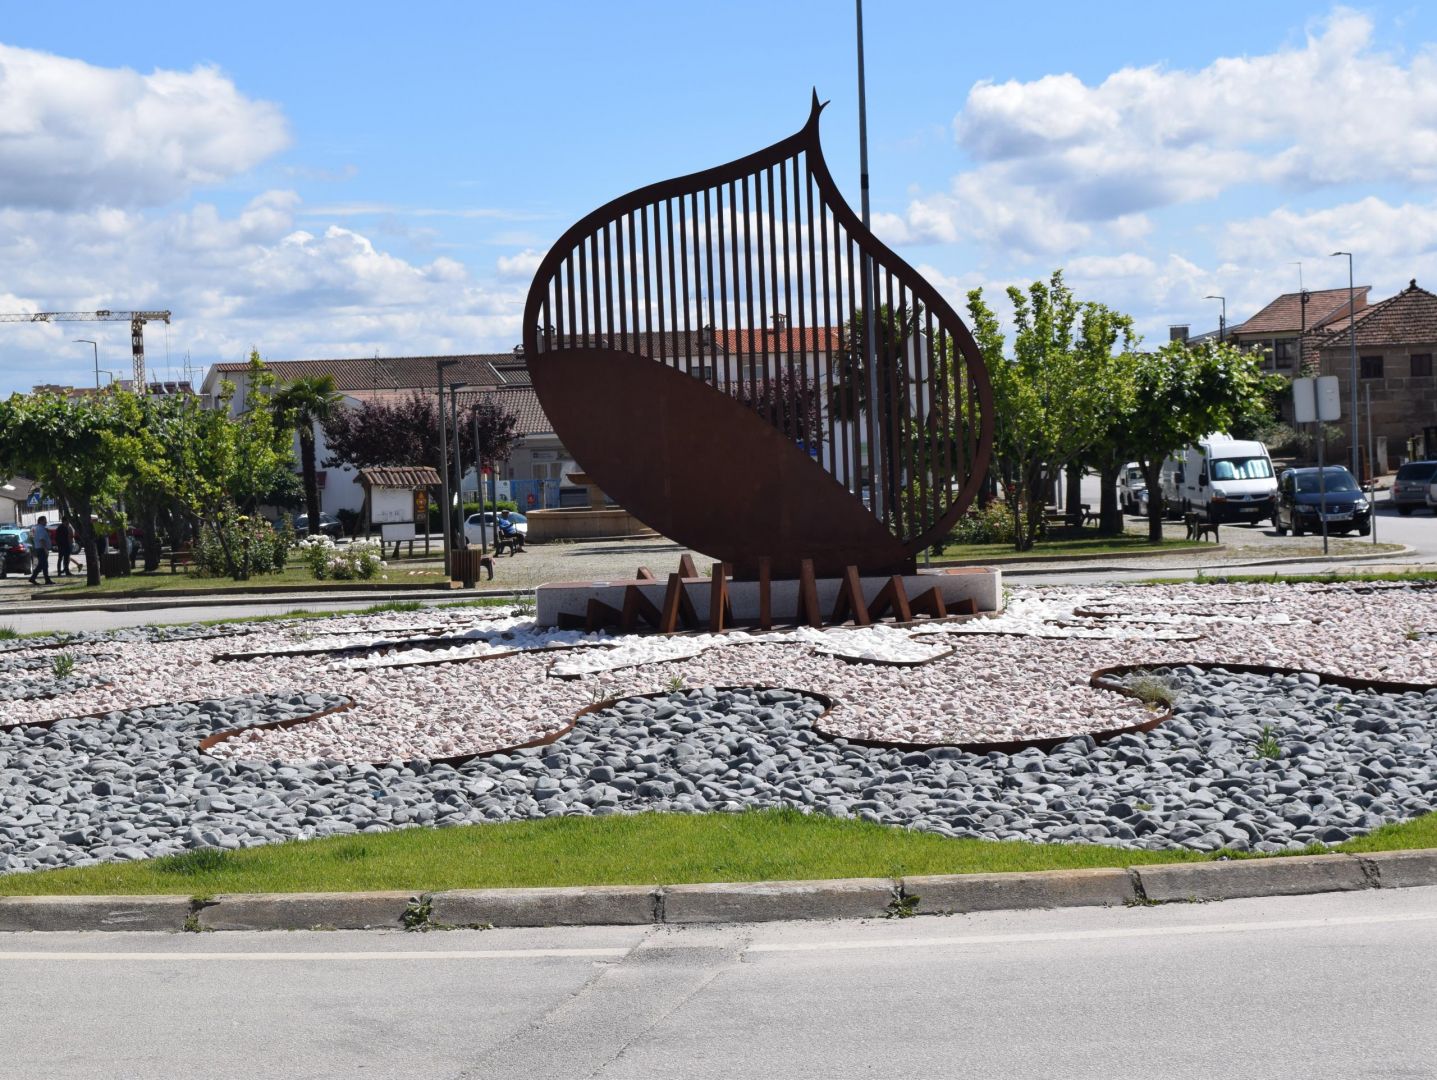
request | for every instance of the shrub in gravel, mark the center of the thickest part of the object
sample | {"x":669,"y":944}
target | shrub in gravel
{"x":1154,"y":690}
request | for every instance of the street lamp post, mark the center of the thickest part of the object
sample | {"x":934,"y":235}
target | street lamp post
{"x":1221,"y":319}
{"x":1352,"y":337}
{"x":439,"y":366}
{"x":96,"y":348}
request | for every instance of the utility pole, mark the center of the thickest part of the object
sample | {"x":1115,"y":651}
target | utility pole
{"x":439,"y":366}
{"x":1352,"y":337}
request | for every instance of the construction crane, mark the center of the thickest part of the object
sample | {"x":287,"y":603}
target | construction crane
{"x":136,"y":319}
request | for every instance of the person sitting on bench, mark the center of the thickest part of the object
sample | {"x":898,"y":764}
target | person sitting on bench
{"x":507,"y":535}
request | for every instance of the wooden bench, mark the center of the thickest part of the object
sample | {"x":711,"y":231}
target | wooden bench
{"x":513,"y":542}
{"x":181,"y":557}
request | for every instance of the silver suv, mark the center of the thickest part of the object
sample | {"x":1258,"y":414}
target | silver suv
{"x":1409,"y":489}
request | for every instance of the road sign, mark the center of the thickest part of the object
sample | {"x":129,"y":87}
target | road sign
{"x":1316,"y":399}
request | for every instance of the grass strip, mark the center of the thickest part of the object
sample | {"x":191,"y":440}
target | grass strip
{"x":1070,"y":547}
{"x":1327,"y":577}
{"x":622,"y":849}
{"x":161,"y":582}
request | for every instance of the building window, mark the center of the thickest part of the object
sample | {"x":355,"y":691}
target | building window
{"x":1372,"y":367}
{"x":1284,"y":352}
{"x":1422,"y":365}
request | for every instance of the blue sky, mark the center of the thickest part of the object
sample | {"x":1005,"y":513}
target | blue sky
{"x":320,"y":180}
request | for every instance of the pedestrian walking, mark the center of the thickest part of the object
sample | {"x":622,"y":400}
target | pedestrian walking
{"x":40,"y":542}
{"x":64,"y":545}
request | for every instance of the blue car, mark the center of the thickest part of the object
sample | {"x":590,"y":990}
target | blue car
{"x":1303,"y":503}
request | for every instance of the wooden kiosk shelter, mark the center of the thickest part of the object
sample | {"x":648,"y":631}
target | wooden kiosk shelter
{"x":396,"y":498}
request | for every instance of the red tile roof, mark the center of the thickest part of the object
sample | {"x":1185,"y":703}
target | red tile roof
{"x":702,"y":342}
{"x":400,"y":476}
{"x":1409,"y":318}
{"x":519,"y":400}
{"x":1284,"y":315}
{"x":809,"y":340}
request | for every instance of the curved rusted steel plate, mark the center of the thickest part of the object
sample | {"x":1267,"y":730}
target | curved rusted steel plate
{"x":696,"y":345}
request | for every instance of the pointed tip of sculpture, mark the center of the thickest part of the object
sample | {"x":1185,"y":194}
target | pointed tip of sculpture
{"x":816,"y":107}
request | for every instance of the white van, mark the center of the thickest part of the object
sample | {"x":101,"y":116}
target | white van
{"x":1226,"y":479}
{"x":1131,"y":485}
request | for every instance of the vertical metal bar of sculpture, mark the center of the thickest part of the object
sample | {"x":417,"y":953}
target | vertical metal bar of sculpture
{"x":697,"y":345}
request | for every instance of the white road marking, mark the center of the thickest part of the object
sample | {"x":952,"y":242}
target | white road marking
{"x":310,"y":957}
{"x":1089,"y":935}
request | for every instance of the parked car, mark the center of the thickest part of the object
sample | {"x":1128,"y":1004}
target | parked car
{"x":1226,"y":479}
{"x":1131,"y":485}
{"x":15,"y":552}
{"x":329,"y":525}
{"x":471,"y":525}
{"x":1409,"y":489}
{"x":1301,"y":506}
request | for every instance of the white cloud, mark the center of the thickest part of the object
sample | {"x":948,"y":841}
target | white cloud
{"x":252,"y":278}
{"x":521,"y":265}
{"x":73,"y":135}
{"x":1371,"y":228}
{"x":1060,"y":163}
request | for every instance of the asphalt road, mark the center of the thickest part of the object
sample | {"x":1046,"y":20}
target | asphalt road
{"x":1304,"y":987}
{"x":575,"y":562}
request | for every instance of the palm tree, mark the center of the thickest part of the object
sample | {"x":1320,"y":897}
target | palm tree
{"x":301,"y":405}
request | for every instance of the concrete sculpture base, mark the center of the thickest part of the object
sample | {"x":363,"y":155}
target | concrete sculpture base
{"x":583,"y":523}
{"x":980,"y":584}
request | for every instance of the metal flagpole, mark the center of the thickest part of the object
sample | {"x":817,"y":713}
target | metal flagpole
{"x":479,"y":481}
{"x":870,"y":366}
{"x":460,"y":539}
{"x":439,"y":366}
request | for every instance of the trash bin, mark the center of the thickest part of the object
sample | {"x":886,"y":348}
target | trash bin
{"x":468,"y":566}
{"x":115,"y":564}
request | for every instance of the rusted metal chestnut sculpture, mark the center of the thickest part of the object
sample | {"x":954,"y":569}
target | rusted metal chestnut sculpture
{"x":698,"y":345}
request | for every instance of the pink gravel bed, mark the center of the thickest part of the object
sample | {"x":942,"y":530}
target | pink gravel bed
{"x":1021,"y":685}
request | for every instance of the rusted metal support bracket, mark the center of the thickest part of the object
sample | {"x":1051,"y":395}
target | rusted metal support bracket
{"x":720,"y":609}
{"x":892,"y":596}
{"x":808,"y":595}
{"x":929,"y":603}
{"x":638,"y":606}
{"x":849,"y":599}
{"x":678,"y":608}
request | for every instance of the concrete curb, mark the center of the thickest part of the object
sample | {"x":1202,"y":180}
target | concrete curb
{"x":729,"y":902}
{"x":1015,"y":569}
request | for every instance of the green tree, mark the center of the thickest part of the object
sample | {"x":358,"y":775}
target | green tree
{"x":301,"y":405}
{"x":79,"y":451}
{"x":216,"y":466}
{"x":1054,"y":396}
{"x":263,"y":459}
{"x":1183,"y":392}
